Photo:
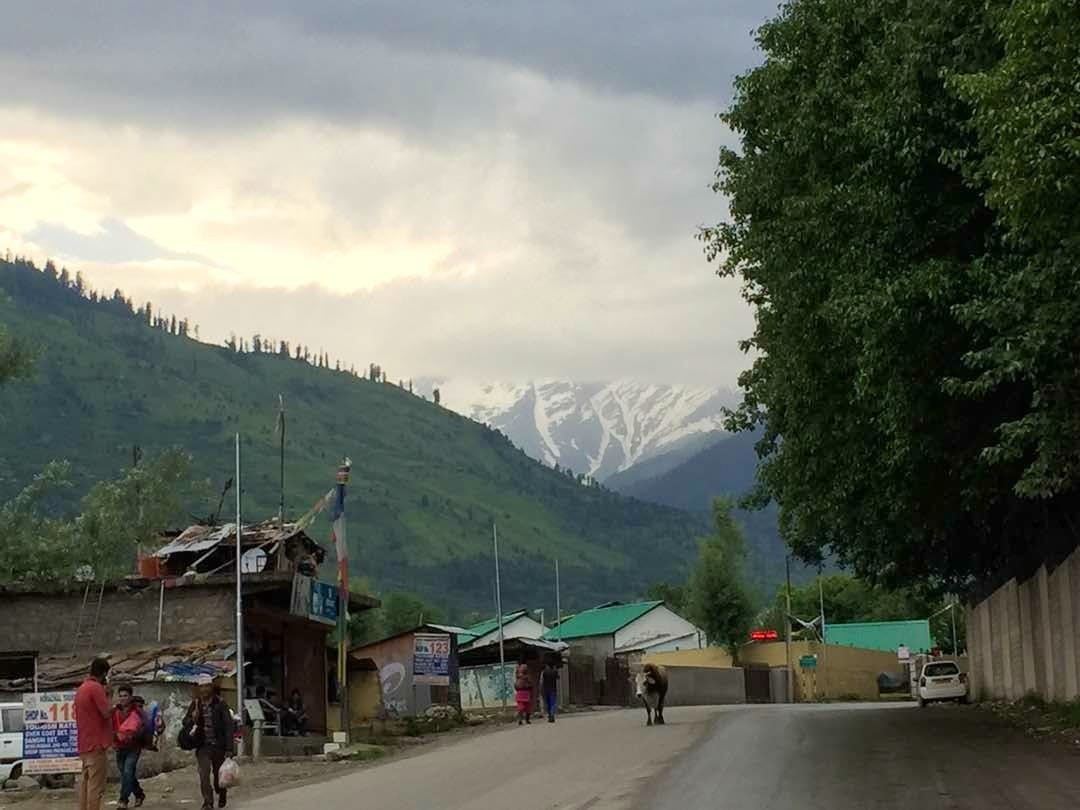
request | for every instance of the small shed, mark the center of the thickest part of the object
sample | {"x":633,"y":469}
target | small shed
{"x":417,"y":668}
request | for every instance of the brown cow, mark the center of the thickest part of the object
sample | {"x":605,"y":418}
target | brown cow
{"x":651,"y":685}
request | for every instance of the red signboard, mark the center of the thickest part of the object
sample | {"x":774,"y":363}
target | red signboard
{"x":764,"y":635}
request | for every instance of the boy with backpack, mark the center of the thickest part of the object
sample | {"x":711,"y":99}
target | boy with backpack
{"x":129,"y":729}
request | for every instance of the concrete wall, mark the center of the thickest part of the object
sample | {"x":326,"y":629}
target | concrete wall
{"x":716,"y":657}
{"x":47,"y":623}
{"x":705,"y":686}
{"x":1024,"y":636}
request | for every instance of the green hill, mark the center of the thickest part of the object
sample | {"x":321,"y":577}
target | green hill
{"x":427,"y":483}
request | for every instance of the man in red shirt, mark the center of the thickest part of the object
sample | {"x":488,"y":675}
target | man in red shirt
{"x":93,"y":719}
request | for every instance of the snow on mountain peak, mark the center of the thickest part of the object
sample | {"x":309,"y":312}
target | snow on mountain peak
{"x":595,"y":428}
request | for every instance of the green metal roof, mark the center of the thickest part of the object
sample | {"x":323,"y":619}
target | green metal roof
{"x":887,"y":636}
{"x":602,"y":621}
{"x":483,"y":628}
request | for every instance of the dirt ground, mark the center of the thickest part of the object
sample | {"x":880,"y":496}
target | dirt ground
{"x":179,"y":789}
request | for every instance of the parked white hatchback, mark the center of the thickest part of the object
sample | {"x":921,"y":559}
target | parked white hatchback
{"x":942,"y":680}
{"x":11,"y":740}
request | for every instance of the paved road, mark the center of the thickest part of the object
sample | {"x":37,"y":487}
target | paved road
{"x":596,"y":761}
{"x":866,"y":757}
{"x":857,"y":757}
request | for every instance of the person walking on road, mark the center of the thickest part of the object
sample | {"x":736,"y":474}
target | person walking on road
{"x":129,"y":728}
{"x":549,"y":689}
{"x":93,"y":722}
{"x":209,"y":714}
{"x":523,"y":692}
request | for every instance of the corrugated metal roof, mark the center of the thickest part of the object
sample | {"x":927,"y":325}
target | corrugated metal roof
{"x":483,"y":628}
{"x":201,"y":537}
{"x":181,"y":663}
{"x":603,"y":621}
{"x":886,"y":636}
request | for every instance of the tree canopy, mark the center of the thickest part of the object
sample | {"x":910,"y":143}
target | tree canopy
{"x":115,"y":517}
{"x":716,"y":596}
{"x":904,"y":218}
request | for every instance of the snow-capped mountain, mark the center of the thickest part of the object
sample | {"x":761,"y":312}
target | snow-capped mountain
{"x":594,"y":428}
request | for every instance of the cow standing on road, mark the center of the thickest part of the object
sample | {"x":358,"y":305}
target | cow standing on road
{"x":651,"y":685}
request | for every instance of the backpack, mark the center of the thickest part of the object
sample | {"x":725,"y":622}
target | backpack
{"x":149,"y":728}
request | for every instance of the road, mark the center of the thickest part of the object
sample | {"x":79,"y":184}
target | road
{"x":851,"y":757}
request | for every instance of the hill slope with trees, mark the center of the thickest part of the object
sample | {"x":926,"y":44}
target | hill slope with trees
{"x":426,"y":485}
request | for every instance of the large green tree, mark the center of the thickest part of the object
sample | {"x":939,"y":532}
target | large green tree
{"x":716,"y":596}
{"x":915,"y":362}
{"x":16,"y":359}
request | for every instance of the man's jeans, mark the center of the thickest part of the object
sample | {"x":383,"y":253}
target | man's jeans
{"x":128,"y":764}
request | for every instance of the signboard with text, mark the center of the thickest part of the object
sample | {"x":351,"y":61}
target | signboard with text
{"x":431,"y":659}
{"x":314,"y":600}
{"x":50,"y":738}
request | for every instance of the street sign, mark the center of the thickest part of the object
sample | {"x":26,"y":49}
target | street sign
{"x":50,"y":737}
{"x":808,"y":661}
{"x":431,"y":659}
{"x":903,"y":653}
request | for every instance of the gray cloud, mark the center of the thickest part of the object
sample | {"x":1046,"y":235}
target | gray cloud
{"x":560,"y":152}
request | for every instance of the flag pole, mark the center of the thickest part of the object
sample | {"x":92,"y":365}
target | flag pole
{"x":341,"y":547}
{"x":499,"y":614}
{"x":239,"y":601}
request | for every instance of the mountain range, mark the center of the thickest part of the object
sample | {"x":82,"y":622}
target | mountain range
{"x":597,"y":429}
{"x":427,"y":484}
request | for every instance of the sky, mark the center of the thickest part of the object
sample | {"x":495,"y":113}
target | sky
{"x":472,"y":190}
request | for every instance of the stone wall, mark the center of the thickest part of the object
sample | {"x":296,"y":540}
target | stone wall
{"x":1023,"y":637}
{"x":48,"y":622}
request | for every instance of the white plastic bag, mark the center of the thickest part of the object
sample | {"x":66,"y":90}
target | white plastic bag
{"x":228,"y":774}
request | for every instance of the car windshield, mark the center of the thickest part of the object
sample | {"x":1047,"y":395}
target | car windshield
{"x":936,"y":670}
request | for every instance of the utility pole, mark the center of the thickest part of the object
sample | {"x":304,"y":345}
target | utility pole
{"x":499,"y":615}
{"x":281,"y":490}
{"x":558,"y":604}
{"x":824,"y":644}
{"x":952,"y":613}
{"x":239,"y":599}
{"x":787,"y":632}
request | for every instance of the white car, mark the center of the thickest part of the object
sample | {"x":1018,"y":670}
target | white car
{"x":11,"y":740}
{"x":942,"y":680}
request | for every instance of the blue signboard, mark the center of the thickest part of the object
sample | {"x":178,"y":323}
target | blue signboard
{"x":314,"y":600}
{"x":431,"y":659}
{"x":50,"y":738}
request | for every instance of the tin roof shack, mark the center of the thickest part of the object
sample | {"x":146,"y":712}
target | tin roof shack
{"x":416,"y":669}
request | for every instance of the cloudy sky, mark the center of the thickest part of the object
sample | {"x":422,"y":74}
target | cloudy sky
{"x":476,"y":190}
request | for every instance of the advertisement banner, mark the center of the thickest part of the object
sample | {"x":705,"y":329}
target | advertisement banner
{"x":431,"y":659}
{"x":50,"y":739}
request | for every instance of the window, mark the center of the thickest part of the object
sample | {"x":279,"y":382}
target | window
{"x":940,"y":670}
{"x":11,"y":720}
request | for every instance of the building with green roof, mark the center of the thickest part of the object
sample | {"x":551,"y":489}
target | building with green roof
{"x":618,"y":629}
{"x":518,"y":624}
